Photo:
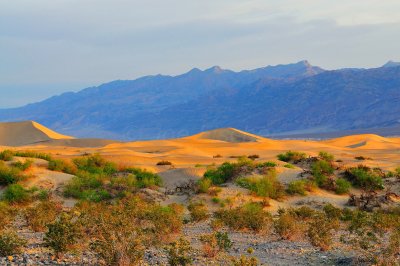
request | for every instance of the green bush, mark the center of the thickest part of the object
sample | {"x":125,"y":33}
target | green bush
{"x":326,"y":156}
{"x":16,"y":194}
{"x":95,"y":164}
{"x":145,"y":178}
{"x":266,"y":164}
{"x":62,"y":166}
{"x":222,"y":174}
{"x":32,"y":154}
{"x":297,"y":187}
{"x":364,"y":177}
{"x":290,"y":166}
{"x":7,"y":155}
{"x":322,"y":170}
{"x":10,"y":175}
{"x":23,"y":166}
{"x":265,"y":186}
{"x":10,"y":243}
{"x":203,"y":185}
{"x":342,"y":186}
{"x":291,"y":156}
{"x":249,"y":216}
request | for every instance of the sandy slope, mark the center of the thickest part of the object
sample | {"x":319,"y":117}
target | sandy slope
{"x":25,"y":133}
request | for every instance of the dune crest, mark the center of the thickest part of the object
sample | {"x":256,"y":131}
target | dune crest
{"x":362,"y":141}
{"x":232,"y":135}
{"x":26,"y":133}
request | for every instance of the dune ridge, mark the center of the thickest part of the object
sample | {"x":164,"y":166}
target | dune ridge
{"x":26,"y":133}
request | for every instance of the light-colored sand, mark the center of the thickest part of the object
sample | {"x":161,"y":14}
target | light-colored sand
{"x":228,"y":135}
{"x":25,"y":133}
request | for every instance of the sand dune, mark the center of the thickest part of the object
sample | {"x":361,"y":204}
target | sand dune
{"x":364,"y":141}
{"x":228,"y":135}
{"x":25,"y":133}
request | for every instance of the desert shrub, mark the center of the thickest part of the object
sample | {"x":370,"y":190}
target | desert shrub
{"x":6,"y":214}
{"x":10,"y":175}
{"x":288,"y":226}
{"x":203,"y":185}
{"x":217,"y":156}
{"x":83,"y":185}
{"x":120,"y":232}
{"x":215,"y":243}
{"x":364,"y":177}
{"x":326,"y":156}
{"x":16,"y":194}
{"x":244,"y":261}
{"x":320,"y":231}
{"x":62,"y":166}
{"x":253,"y":156}
{"x":362,"y":158}
{"x":303,"y":213}
{"x":291,"y":156}
{"x":179,"y":253}
{"x":249,"y":216}
{"x":333,"y":212}
{"x":288,"y":165}
{"x":266,"y":164}
{"x":164,"y":163}
{"x":145,"y":178}
{"x":222,"y":174}
{"x":297,"y":187}
{"x":397,"y":171}
{"x":342,"y":186}
{"x":44,"y":213}
{"x":7,"y":155}
{"x":214,"y":191}
{"x":322,"y":170}
{"x":198,"y":211}
{"x":62,"y":234}
{"x":10,"y":243}
{"x":33,"y":154}
{"x":95,"y":164}
{"x":265,"y":186}
{"x":23,"y":166}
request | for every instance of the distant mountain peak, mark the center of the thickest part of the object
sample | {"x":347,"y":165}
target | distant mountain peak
{"x":391,"y":63}
{"x":215,"y":69}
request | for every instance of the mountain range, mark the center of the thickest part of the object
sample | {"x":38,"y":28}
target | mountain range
{"x":274,"y":100}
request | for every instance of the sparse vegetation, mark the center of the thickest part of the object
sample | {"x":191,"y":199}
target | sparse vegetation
{"x":6,"y":155}
{"x":16,"y":194}
{"x":198,"y":211}
{"x":249,"y":216}
{"x":164,"y":163}
{"x":364,"y":177}
{"x":291,"y":156}
{"x":179,"y":253}
{"x":10,"y":243}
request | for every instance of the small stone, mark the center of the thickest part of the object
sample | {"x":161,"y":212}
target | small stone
{"x":10,"y":258}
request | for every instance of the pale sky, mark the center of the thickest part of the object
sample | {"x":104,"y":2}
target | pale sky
{"x":51,"y":46}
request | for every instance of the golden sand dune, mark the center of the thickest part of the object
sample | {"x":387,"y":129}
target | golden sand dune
{"x":228,"y":135}
{"x":364,"y":141}
{"x":26,"y":133}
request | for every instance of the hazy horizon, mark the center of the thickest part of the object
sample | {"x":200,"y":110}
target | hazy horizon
{"x":50,"y":47}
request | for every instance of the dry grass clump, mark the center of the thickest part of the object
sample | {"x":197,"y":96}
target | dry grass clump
{"x":250,"y":216}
